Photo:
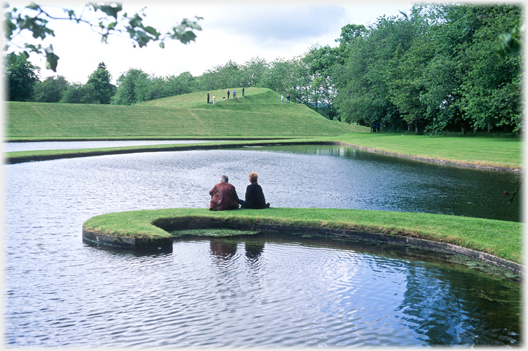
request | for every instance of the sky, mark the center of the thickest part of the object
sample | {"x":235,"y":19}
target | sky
{"x":231,"y":30}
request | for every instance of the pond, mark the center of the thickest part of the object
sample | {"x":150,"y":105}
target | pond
{"x":269,"y":291}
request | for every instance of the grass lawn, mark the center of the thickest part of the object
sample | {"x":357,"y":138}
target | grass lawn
{"x":500,"y":152}
{"x":500,"y":238}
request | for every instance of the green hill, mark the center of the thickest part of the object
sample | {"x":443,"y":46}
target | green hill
{"x":258,"y":114}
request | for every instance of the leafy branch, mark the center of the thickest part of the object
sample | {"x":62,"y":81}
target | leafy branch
{"x":105,"y":19}
{"x":510,"y":43}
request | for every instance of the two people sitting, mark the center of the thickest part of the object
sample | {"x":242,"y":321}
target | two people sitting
{"x":224,"y":195}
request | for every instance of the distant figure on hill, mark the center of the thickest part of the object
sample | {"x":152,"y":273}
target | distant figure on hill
{"x":254,"y":194}
{"x":282,"y":98}
{"x":234,"y":94}
{"x":288,"y":98}
{"x":214,"y":99}
{"x":227,"y":94}
{"x":207,"y":97}
{"x":242,"y":91}
{"x":223,"y":196}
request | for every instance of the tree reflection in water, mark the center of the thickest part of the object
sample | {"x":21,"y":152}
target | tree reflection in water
{"x":461,"y":310}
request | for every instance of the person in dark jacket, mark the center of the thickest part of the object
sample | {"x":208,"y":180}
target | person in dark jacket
{"x":223,"y":196}
{"x":254,"y":194}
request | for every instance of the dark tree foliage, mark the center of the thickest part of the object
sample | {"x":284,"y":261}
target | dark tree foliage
{"x":51,"y":89}
{"x":137,"y":86}
{"x":20,"y":77}
{"x":80,"y":94}
{"x":226,"y":76}
{"x":442,"y":67}
{"x":133,"y":87}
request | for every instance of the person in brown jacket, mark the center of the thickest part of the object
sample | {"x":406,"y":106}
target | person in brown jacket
{"x":223,"y":196}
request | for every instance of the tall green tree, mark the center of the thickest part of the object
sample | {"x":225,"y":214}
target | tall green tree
{"x":363,"y":93}
{"x":349,"y":35}
{"x":253,"y":72}
{"x":51,"y":89}
{"x":228,"y":75}
{"x":132,"y":87}
{"x":20,"y":76}
{"x":413,"y":51}
{"x":299,"y":84}
{"x":184,"y":83}
{"x":491,"y":90}
{"x":100,"y":81}
{"x":280,"y":77}
{"x":320,"y":63}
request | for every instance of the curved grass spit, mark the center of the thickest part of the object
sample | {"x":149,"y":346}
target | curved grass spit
{"x":497,"y":242}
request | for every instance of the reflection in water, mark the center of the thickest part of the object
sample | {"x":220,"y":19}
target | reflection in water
{"x":457,"y":311}
{"x":222,"y":249}
{"x":225,"y":249}
{"x":345,"y":293}
{"x":254,"y":250}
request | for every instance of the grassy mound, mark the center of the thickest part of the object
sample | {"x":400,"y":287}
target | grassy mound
{"x":500,"y":238}
{"x":258,"y":114}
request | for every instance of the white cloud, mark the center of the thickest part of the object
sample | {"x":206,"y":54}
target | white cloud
{"x":271,"y":24}
{"x":231,"y":31}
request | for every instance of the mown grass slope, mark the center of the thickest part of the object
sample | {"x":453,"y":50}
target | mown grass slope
{"x":258,"y":114}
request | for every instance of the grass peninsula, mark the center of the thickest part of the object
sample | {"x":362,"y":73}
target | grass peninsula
{"x":499,"y":238}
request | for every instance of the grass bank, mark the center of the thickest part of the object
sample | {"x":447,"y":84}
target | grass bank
{"x":499,"y":238}
{"x":503,"y":152}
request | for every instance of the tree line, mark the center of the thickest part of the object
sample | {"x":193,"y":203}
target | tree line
{"x":439,"y":68}
{"x":442,"y":67}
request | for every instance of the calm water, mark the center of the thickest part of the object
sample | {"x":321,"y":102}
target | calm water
{"x":248,"y":292}
{"x":343,"y":177}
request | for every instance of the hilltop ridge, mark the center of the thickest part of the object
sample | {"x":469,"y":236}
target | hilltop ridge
{"x":199,"y":99}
